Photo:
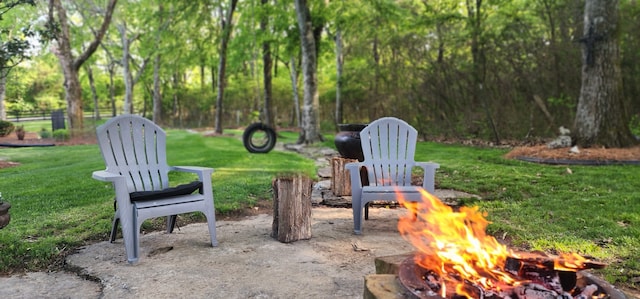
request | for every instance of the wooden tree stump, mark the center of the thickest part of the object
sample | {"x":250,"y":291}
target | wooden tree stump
{"x":291,"y":208}
{"x":340,"y":179}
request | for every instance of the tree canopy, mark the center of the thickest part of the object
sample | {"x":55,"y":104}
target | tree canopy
{"x":495,"y":69}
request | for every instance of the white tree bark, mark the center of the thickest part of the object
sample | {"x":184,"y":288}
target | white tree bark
{"x":126,"y":70}
{"x":294,"y":87}
{"x":310,"y":132}
{"x":601,"y":118}
{"x":339,"y":68}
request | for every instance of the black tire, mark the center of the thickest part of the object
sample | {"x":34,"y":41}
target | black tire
{"x":261,"y":143}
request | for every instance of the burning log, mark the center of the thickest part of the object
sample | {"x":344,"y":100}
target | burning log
{"x":398,"y":276}
{"x":540,"y":259}
{"x":535,"y":279}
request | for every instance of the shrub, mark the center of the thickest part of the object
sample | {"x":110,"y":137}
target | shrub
{"x":44,"y":134}
{"x":6,"y":127}
{"x":61,"y":135}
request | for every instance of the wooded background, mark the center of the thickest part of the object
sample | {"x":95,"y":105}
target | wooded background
{"x":493,"y":69}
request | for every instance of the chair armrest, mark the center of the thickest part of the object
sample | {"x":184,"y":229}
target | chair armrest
{"x":202,"y":172}
{"x":192,"y":169}
{"x":102,"y":175}
{"x":119,"y":184}
{"x":428,"y":182}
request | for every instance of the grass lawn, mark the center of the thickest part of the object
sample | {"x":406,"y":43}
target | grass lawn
{"x":57,"y":206}
{"x":590,"y":210}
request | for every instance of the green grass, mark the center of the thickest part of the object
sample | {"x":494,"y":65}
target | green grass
{"x":591,"y":210}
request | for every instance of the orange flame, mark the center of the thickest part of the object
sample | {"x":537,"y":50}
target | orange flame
{"x":454,"y":246}
{"x":455,"y":243}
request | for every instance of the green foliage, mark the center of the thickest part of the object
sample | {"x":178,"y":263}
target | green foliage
{"x":44,"y":134}
{"x":6,"y":127}
{"x":15,"y":39}
{"x":61,"y":135}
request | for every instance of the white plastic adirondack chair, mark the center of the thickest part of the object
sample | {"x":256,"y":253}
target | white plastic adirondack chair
{"x":133,"y":149}
{"x":389,"y":146}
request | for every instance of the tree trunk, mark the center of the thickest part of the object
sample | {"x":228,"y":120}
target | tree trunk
{"x":339,"y":64}
{"x":73,"y":94}
{"x":112,"y":90}
{"x":226,"y":25}
{"x":70,"y":67}
{"x":157,"y":93}
{"x":294,"y":87}
{"x":340,"y":177}
{"x":601,"y":118}
{"x":129,"y":81}
{"x":177,"y":113}
{"x":94,"y":93}
{"x":310,"y":132}
{"x":3,"y":93}
{"x":227,"y":22}
{"x":475,"y":18}
{"x":267,"y":65}
{"x":126,"y":72}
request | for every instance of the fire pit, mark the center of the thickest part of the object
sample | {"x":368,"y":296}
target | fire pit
{"x":456,"y":259}
{"x":537,"y":281}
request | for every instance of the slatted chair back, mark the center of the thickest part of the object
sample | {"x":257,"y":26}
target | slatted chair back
{"x":389,"y":146}
{"x":135,"y":148}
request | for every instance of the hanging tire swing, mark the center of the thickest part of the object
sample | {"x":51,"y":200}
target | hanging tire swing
{"x":259,"y":138}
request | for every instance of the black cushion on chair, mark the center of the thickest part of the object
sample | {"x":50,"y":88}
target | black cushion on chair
{"x":184,"y":189}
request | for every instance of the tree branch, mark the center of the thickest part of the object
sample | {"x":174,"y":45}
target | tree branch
{"x":96,"y":42}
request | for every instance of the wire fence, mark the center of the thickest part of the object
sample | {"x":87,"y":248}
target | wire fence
{"x":47,"y":114}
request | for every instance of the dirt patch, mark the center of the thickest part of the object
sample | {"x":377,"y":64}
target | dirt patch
{"x":593,"y":154}
{"x":32,"y":138}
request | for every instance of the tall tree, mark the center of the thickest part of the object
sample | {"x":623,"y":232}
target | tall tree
{"x":127,"y":59}
{"x":226,"y":22}
{"x":310,"y":132}
{"x":157,"y":92}
{"x":601,"y":118}
{"x":94,"y":92}
{"x":475,"y":15}
{"x":267,"y":66}
{"x":70,"y":64}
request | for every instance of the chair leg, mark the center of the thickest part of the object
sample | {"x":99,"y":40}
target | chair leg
{"x":131,"y":241}
{"x":114,"y":229}
{"x":171,"y":223}
{"x":366,"y":211}
{"x":356,"y":206}
{"x":211,"y":222}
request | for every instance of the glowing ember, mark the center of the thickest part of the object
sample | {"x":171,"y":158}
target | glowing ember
{"x":455,"y":246}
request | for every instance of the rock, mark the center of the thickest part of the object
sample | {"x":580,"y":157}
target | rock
{"x":560,"y":142}
{"x":574,"y":150}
